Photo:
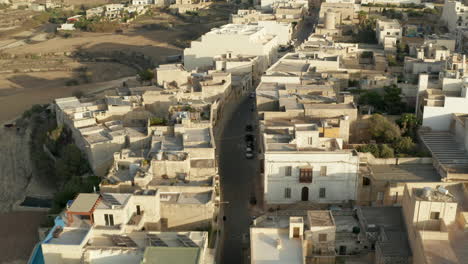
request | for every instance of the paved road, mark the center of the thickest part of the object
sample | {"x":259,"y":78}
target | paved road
{"x":237,"y":180}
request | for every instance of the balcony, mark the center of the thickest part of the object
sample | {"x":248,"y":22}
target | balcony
{"x":305,"y":175}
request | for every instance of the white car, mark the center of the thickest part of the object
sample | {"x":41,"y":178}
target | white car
{"x":249,"y":155}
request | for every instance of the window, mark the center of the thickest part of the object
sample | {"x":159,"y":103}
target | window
{"x":435,"y":215}
{"x":379,"y":196}
{"x":288,"y":171}
{"x":366,"y":181}
{"x":310,"y":141}
{"x":322,"y":193}
{"x":322,"y":237}
{"x":323,"y":171}
{"x":109,"y":219}
{"x":138,"y":210}
{"x":287,"y":193}
{"x":305,"y":175}
{"x":388,"y":33}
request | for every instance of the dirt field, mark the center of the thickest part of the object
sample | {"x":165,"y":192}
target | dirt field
{"x":19,"y":234}
{"x":156,"y":37}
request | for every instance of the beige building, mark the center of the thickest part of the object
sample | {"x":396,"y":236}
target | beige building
{"x":100,"y":128}
{"x":343,"y":13}
{"x":384,"y":184}
{"x":435,"y":217}
{"x":328,"y":237}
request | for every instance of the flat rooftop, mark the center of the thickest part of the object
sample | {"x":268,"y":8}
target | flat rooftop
{"x":292,"y":67}
{"x":186,"y":198}
{"x":236,"y":29}
{"x":69,"y":236}
{"x":265,"y":251}
{"x":173,"y":255}
{"x":405,"y":173}
{"x":390,"y":218}
{"x":67,"y":102}
{"x":141,"y":239}
{"x":197,"y":138}
{"x":329,"y":106}
{"x":320,"y":218}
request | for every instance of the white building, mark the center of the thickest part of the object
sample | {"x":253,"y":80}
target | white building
{"x":272,"y":4}
{"x":142,"y":2}
{"x":391,"y":2}
{"x":237,"y":39}
{"x":302,"y":165}
{"x":273,"y":24}
{"x":388,"y":33}
{"x":438,"y":101}
{"x":454,"y":14}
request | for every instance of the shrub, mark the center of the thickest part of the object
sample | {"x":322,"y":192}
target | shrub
{"x":146,"y":75}
{"x":71,"y":82}
{"x":157,"y":121}
{"x":404,"y":145}
{"x":370,"y":148}
{"x":78,"y":93}
{"x":386,"y":151}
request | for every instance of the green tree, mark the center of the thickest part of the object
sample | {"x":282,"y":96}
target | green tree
{"x":373,"y":99}
{"x":404,"y":145}
{"x":392,"y":99}
{"x":409,"y":124}
{"x":382,"y":130}
{"x":362,"y":16}
{"x":386,"y":151}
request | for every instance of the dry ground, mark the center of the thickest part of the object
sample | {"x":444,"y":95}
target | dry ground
{"x":156,"y":36}
{"x":19,"y":234}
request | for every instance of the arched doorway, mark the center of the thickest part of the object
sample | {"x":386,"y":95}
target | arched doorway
{"x":305,"y":194}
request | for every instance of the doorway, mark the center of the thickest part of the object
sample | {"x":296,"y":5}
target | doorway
{"x":296,"y":232}
{"x":342,"y":250}
{"x":305,"y":194}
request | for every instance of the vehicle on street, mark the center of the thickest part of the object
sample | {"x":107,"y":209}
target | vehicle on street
{"x":249,"y":155}
{"x":249,"y":128}
{"x":249,"y":137}
{"x":252,"y":95}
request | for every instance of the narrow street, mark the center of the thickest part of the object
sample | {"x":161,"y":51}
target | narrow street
{"x":238,"y":176}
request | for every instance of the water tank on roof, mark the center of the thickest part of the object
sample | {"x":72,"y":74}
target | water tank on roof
{"x":159,"y":155}
{"x":427,"y":192}
{"x":442,"y":190}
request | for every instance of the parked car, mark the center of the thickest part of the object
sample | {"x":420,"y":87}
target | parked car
{"x":252,"y":95}
{"x":249,"y":137}
{"x":249,"y":155}
{"x":249,"y":128}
